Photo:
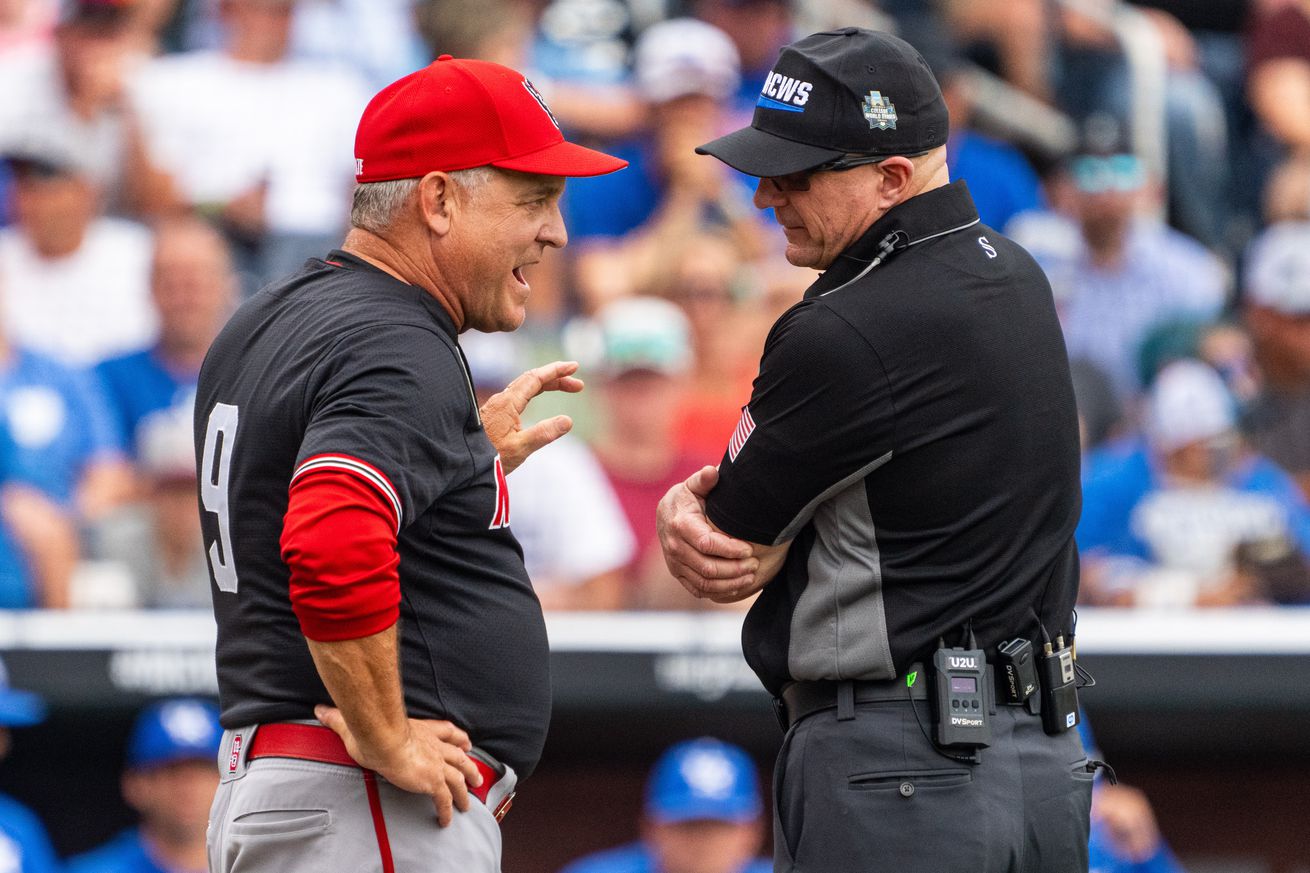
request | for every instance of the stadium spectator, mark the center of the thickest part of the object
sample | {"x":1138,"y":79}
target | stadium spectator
{"x":255,"y":139}
{"x":72,"y":91}
{"x":685,"y":70}
{"x":1277,"y":312}
{"x":157,"y":540}
{"x":24,"y":846}
{"x":58,"y":424}
{"x":1128,"y":273}
{"x":1278,"y":63}
{"x":193,"y":288}
{"x":702,"y":814}
{"x":1163,"y":519}
{"x":575,"y":537}
{"x":169,"y":781}
{"x":640,"y":348}
{"x":76,"y":285}
{"x":702,"y":275}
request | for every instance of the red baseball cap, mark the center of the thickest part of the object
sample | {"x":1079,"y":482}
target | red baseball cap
{"x":458,"y":114}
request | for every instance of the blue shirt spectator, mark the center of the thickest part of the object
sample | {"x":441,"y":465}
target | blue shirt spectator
{"x":125,"y":853}
{"x":614,"y":205}
{"x":1120,"y":477}
{"x":58,"y":421}
{"x":702,"y":807}
{"x":1165,"y":519}
{"x":141,"y":384}
{"x":1000,"y":179}
{"x":685,"y":70}
{"x":169,"y":780}
{"x":193,"y":289}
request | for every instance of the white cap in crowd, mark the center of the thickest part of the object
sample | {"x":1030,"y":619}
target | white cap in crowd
{"x":1189,"y":403}
{"x":684,"y":56}
{"x":1278,"y":268}
{"x":631,"y":334}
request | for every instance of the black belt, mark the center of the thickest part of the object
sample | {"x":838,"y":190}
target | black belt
{"x":801,"y":699}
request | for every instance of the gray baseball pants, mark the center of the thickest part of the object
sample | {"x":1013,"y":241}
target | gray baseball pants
{"x":869,"y":794}
{"x":284,"y":815}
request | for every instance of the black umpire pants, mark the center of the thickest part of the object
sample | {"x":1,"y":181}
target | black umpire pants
{"x":869,"y":794}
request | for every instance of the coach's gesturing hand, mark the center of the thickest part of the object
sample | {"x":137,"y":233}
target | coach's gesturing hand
{"x":502,"y":414}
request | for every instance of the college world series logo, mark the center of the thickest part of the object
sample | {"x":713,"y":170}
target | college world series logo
{"x":879,"y":111}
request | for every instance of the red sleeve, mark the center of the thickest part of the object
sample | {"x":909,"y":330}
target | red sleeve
{"x":339,"y":540}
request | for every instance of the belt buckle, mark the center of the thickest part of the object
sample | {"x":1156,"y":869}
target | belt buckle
{"x":504,"y":806}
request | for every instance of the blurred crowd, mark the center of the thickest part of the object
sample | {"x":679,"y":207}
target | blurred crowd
{"x":165,"y":158}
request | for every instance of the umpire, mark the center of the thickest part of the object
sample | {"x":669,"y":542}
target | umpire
{"x":903,"y":480}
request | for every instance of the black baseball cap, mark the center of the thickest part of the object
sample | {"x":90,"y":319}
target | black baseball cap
{"x":843,"y":92}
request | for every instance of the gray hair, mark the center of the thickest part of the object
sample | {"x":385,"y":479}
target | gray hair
{"x":376,"y":204}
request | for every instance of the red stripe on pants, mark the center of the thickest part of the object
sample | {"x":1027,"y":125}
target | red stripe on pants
{"x":379,"y":823}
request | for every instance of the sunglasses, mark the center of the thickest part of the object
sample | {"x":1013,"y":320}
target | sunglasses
{"x":800,"y":181}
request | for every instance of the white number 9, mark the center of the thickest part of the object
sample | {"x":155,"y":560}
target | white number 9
{"x":220,"y":439}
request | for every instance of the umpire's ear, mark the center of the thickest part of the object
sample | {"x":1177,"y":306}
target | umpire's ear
{"x":438,"y":201}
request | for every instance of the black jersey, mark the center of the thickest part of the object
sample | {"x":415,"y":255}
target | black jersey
{"x":345,"y":365}
{"x":912,"y":430}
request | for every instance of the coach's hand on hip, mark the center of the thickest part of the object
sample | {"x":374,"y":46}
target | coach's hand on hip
{"x":432,"y":759}
{"x":502,"y":413}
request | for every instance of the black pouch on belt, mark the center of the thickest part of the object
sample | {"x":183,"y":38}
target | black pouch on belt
{"x":1059,"y":688}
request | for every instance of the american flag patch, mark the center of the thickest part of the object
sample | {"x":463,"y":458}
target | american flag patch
{"x":745,"y":428}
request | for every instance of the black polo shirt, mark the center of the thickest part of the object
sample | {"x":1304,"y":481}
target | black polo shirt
{"x":912,"y":432}
{"x":343,"y":360}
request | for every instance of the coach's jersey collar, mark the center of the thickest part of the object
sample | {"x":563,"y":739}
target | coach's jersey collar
{"x":343,"y":260}
{"x":930,"y":214}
